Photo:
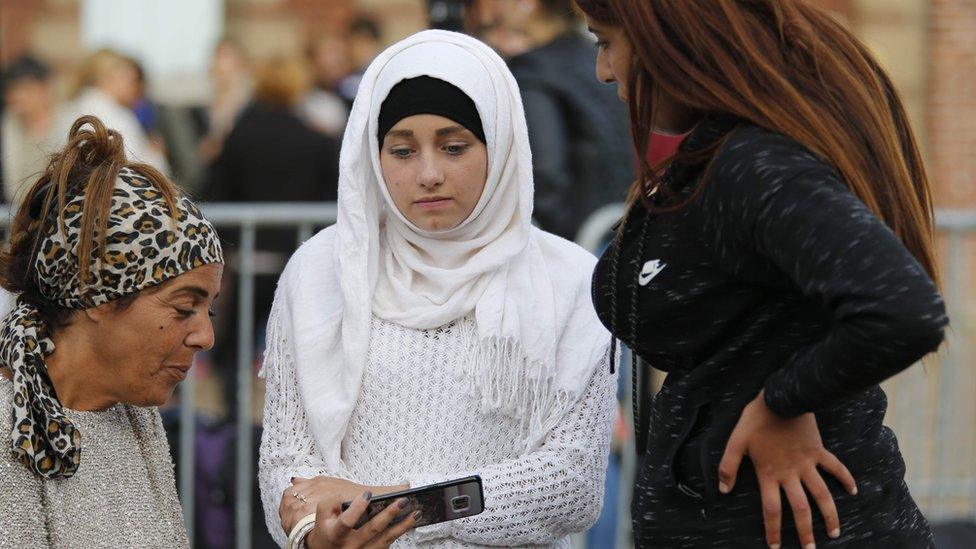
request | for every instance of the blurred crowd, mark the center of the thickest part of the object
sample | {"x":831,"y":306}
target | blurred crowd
{"x":271,"y":128}
{"x":298,"y":101}
{"x":271,"y":131}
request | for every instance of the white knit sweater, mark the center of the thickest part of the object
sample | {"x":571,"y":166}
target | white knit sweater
{"x":414,"y":422}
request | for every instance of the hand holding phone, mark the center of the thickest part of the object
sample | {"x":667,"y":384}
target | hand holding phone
{"x":435,"y":503}
{"x":339,"y":530}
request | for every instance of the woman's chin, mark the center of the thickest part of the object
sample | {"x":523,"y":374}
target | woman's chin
{"x":436,"y":223}
{"x":158,"y":397}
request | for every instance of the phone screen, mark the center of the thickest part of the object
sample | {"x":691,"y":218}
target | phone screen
{"x":436,"y":503}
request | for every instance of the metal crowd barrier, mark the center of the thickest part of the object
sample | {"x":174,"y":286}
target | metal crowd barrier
{"x":247,"y":217}
{"x":956,"y":227}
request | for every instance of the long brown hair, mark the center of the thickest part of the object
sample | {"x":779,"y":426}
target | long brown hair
{"x":88,"y":164}
{"x":789,"y":67}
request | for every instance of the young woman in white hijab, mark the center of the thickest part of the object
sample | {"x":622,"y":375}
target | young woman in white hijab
{"x":433,"y":333}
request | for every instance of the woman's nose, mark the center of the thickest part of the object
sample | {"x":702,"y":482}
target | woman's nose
{"x":431,"y":175}
{"x":202,"y":336}
{"x":603,"y":72}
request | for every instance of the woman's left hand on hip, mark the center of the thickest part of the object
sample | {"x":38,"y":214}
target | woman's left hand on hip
{"x":786,"y":454}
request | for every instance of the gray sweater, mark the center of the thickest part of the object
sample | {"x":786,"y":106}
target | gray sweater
{"x":123,"y":494}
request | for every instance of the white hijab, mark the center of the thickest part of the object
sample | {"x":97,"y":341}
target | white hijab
{"x":537,"y":337}
{"x":428,"y":279}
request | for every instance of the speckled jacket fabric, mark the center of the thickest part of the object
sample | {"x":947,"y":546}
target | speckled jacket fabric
{"x":774,"y":276}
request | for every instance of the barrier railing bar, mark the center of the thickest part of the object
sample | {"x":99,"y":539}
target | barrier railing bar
{"x":270,"y":214}
{"x":187,"y":451}
{"x":245,"y":374}
{"x":304,"y":233}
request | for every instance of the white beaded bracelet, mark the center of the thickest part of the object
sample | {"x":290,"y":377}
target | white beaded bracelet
{"x":296,"y":539}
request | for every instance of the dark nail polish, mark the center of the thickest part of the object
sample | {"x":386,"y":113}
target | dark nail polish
{"x":417,"y":515}
{"x":402,"y":504}
{"x":367,"y":495}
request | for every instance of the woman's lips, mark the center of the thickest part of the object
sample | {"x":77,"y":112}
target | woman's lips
{"x":432,"y":203}
{"x":178,"y":372}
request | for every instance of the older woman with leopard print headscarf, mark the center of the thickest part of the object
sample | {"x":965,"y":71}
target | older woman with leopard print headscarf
{"x":114,"y":272}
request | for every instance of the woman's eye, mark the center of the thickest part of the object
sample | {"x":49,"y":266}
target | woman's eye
{"x":400,"y":153}
{"x":456,"y":149}
{"x":602,"y":44}
{"x":185,"y":313}
{"x":211,"y":313}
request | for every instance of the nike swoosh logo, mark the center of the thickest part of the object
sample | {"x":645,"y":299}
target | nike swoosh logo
{"x":650,"y":270}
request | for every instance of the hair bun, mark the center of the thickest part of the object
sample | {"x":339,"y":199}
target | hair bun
{"x":97,"y":144}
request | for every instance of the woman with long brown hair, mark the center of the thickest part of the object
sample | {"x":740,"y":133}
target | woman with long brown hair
{"x":779,"y":267}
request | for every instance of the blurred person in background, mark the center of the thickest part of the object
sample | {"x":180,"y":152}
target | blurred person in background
{"x":449,"y":15}
{"x":230,"y":76}
{"x":148,"y":111}
{"x":323,"y":108}
{"x":108,"y":280}
{"x":489,"y":20}
{"x":582,"y":158}
{"x":270,"y":155}
{"x":108,"y":87}
{"x":27,"y":124}
{"x":144,"y":109}
{"x":365,"y":41}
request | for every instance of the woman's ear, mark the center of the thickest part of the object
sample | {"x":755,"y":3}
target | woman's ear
{"x":99,"y":313}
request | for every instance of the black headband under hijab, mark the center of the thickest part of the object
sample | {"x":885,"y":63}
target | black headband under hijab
{"x":428,"y":95}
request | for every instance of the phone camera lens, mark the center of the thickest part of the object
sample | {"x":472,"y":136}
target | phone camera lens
{"x":461,"y":503}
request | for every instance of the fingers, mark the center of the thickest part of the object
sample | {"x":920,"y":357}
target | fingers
{"x":351,"y":516}
{"x":290,"y":517}
{"x":309,"y":493}
{"x":728,"y":468}
{"x":832,"y":465}
{"x":772,"y":511}
{"x":394,"y":532}
{"x":375,"y":528}
{"x":339,"y":530}
{"x":801,"y":511}
{"x":283,"y":507}
{"x":817,"y":488}
{"x":301,"y":485}
{"x":291,"y":509}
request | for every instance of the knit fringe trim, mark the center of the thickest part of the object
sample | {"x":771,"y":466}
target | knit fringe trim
{"x":497,"y":373}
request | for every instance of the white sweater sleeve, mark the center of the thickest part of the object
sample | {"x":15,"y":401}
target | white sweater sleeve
{"x":287,"y":446}
{"x":545,"y":495}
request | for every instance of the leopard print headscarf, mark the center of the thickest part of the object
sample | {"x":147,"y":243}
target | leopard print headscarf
{"x":143,"y":248}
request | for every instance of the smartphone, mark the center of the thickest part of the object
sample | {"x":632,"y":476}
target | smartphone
{"x":439,"y":502}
